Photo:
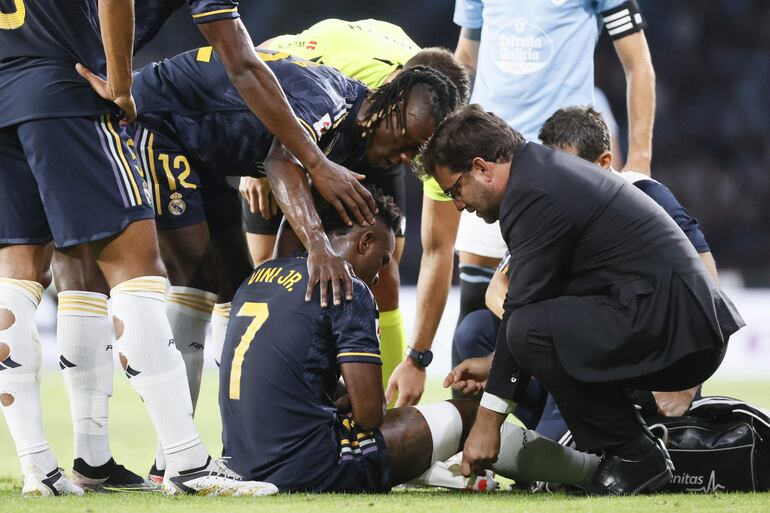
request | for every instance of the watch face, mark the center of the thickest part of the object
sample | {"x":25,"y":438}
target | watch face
{"x":426,"y":357}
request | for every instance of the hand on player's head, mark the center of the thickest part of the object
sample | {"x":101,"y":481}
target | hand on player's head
{"x":366,"y":248}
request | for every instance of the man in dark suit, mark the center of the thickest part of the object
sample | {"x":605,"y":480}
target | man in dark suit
{"x":607,"y":294}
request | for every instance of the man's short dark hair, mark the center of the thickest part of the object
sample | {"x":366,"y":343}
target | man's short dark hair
{"x":443,"y":61}
{"x":389,"y":214}
{"x":469,"y":133}
{"x":581,"y":129}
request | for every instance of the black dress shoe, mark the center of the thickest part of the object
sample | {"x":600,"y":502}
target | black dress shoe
{"x":618,"y":475}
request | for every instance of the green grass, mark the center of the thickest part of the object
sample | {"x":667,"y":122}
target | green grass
{"x":416,"y":502}
{"x":133,"y":444}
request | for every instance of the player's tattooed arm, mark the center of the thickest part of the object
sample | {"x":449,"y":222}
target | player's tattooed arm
{"x":263,"y":94}
{"x":116,"y":19}
{"x":292,"y":192}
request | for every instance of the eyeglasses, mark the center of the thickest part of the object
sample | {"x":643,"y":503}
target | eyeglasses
{"x":450,"y":193}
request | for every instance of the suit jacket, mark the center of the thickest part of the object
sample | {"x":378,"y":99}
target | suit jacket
{"x":626,"y":293}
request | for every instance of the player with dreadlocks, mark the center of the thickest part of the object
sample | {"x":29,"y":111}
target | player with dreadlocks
{"x":195,"y":130}
{"x":392,"y":122}
{"x":374,"y":52}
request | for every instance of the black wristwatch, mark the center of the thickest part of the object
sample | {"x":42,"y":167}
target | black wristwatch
{"x":423,"y":358}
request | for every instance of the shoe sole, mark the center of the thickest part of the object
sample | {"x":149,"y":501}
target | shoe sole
{"x":146,"y":488}
{"x":118,"y":488}
{"x":98,"y":485}
{"x":656,"y":482}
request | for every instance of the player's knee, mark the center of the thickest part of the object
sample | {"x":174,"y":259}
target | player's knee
{"x":196,"y":274}
{"x":196,"y":269}
{"x":475,"y":335}
{"x":72,"y":274}
{"x":46,"y":278}
{"x":227,"y":286}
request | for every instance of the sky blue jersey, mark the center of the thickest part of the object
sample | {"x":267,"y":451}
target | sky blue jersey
{"x":537,"y":56}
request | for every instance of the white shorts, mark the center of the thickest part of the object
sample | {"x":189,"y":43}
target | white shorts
{"x":476,"y":236}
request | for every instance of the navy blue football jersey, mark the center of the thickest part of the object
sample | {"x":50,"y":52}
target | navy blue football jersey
{"x":40,"y":43}
{"x":279,"y":371}
{"x":190,"y":99}
{"x":666,"y":199}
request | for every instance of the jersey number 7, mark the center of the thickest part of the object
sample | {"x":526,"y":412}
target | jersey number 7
{"x":259,"y":313}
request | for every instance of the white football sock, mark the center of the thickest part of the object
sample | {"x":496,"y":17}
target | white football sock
{"x":527,"y":456}
{"x":155,"y":367}
{"x":446,"y":429}
{"x":219,"y":320}
{"x":84,"y":337}
{"x":189,"y":312}
{"x":20,"y":374}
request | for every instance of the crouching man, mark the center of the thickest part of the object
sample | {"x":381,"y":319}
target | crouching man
{"x":286,"y":417}
{"x":606,"y":294}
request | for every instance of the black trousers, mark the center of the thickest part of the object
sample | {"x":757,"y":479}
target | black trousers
{"x":599,"y":414}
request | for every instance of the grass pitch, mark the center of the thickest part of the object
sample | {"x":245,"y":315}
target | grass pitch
{"x":133,"y":444}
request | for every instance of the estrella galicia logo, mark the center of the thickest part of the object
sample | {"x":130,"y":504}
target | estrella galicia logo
{"x":522,"y":48}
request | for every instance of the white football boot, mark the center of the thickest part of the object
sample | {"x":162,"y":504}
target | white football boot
{"x":39,"y":484}
{"x":213,"y":478}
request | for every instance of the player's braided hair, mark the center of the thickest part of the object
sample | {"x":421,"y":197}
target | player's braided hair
{"x":444,"y":61}
{"x":392,"y":97}
{"x":388,"y":212}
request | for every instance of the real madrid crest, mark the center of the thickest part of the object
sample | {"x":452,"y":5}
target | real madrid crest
{"x":176,"y":206}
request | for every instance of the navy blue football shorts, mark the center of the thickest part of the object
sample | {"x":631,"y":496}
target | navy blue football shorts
{"x":70,"y":180}
{"x":183,"y":195}
{"x":362,"y":465}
